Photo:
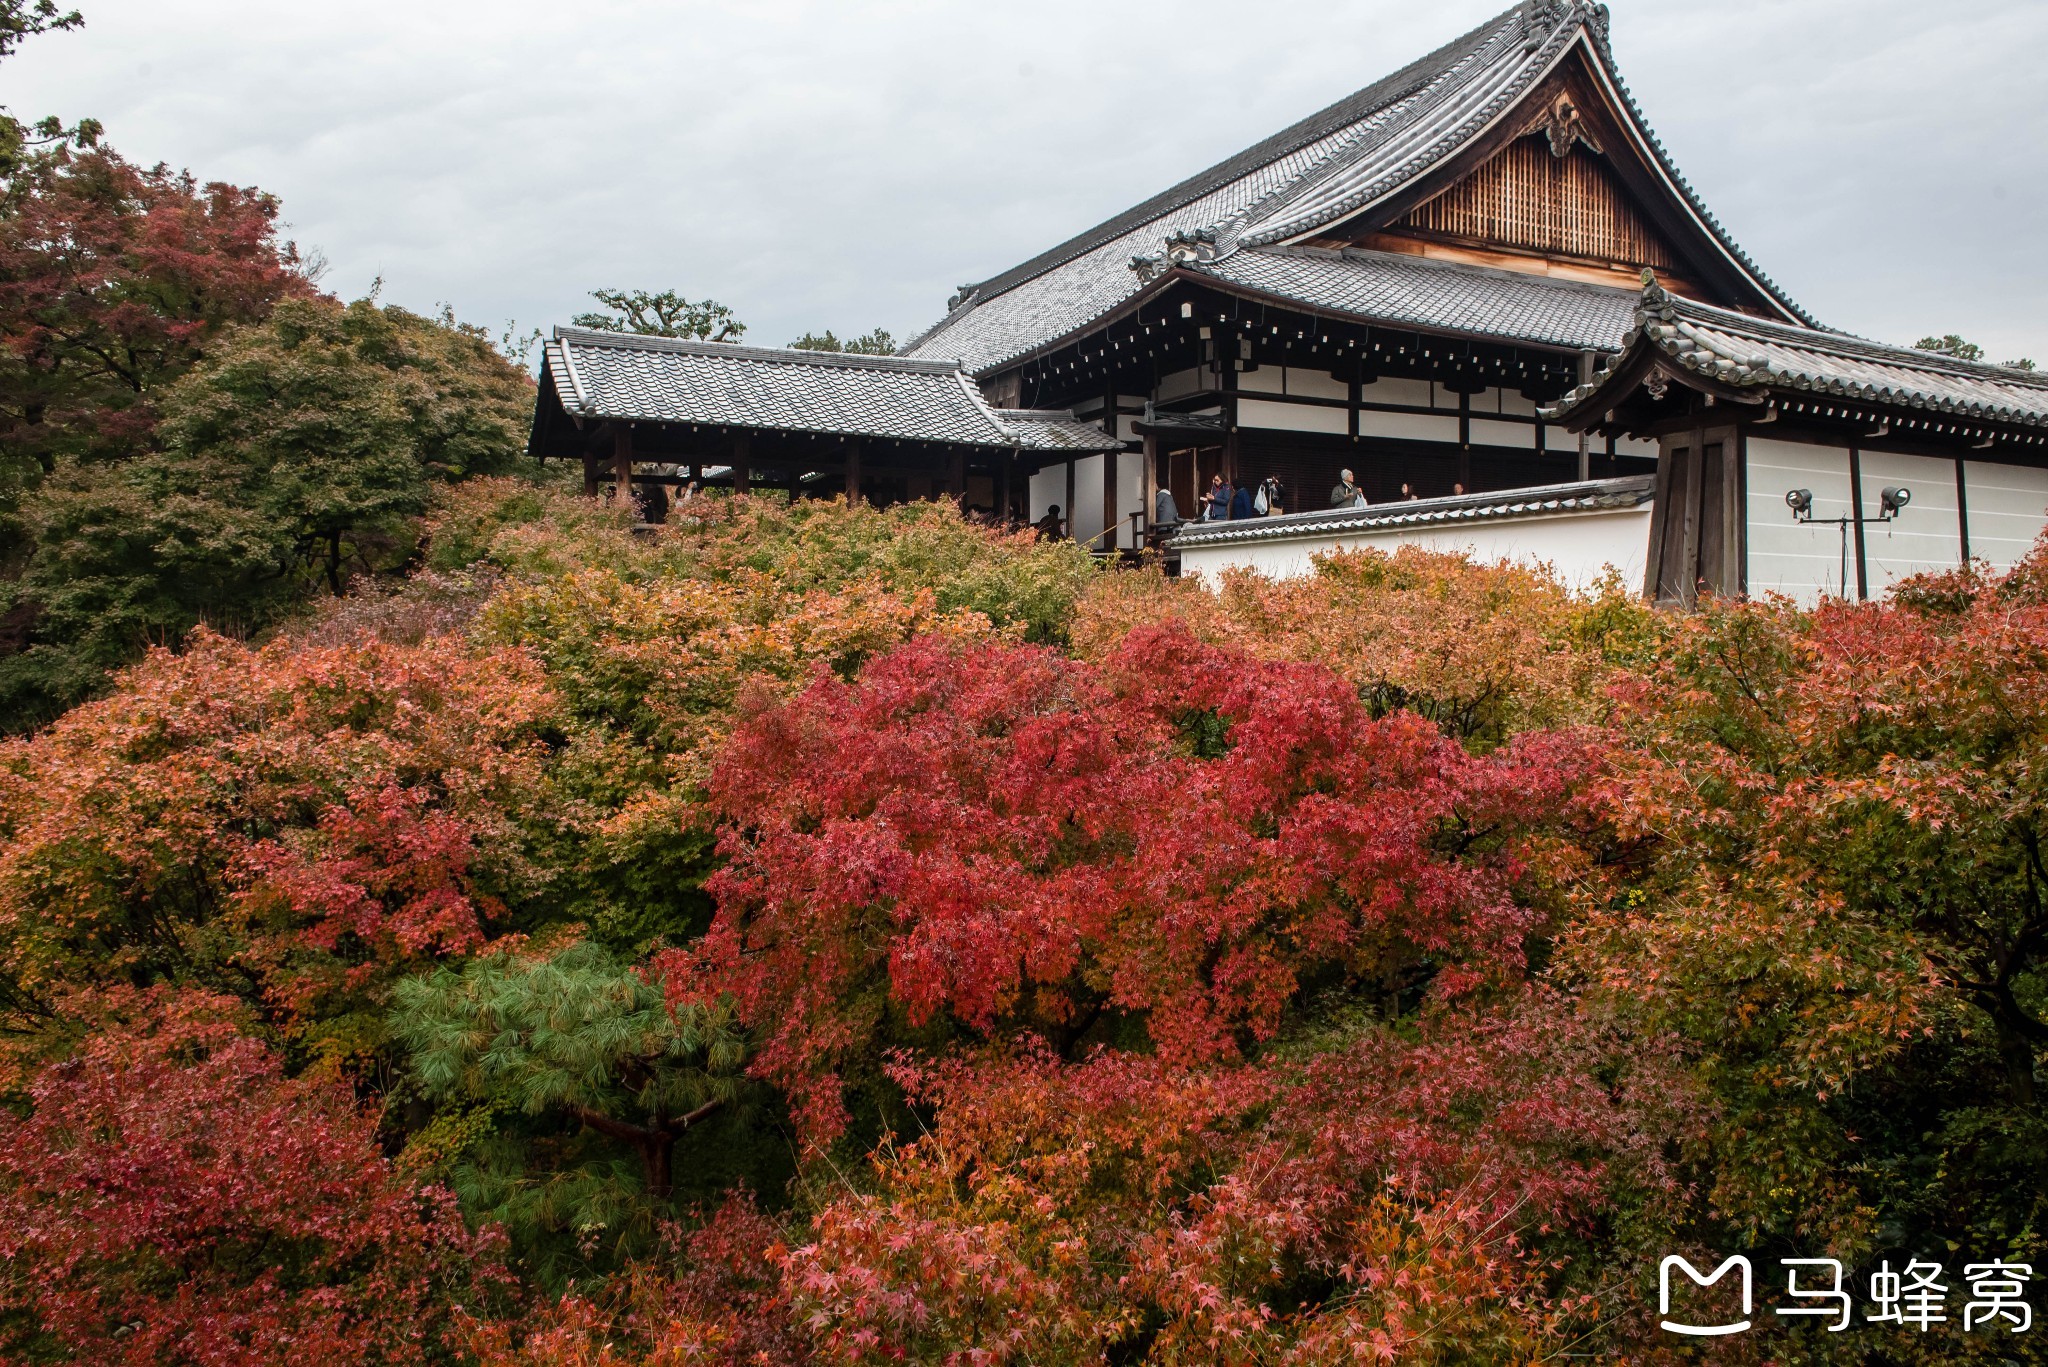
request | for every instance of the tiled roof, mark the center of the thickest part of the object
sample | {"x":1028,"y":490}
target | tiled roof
{"x":1550,"y":500}
{"x":1737,"y":350}
{"x":720,"y":384}
{"x":1055,"y":429}
{"x":1324,"y":168}
{"x":1436,"y":295}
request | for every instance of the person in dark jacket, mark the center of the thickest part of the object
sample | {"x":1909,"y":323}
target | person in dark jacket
{"x":1050,"y":527}
{"x":1216,"y":507}
{"x":1241,"y":502}
{"x":1165,"y":512}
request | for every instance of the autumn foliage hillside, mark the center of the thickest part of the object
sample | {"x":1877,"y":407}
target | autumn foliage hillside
{"x":819,"y":934}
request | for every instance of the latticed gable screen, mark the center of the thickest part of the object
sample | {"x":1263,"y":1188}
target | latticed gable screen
{"x":1527,"y":198}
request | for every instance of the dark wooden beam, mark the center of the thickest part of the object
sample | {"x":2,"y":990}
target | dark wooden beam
{"x":742,"y":468}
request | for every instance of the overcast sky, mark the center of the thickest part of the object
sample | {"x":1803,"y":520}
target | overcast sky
{"x":847,"y":164}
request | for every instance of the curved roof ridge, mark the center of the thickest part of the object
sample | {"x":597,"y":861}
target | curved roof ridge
{"x":1820,"y":339}
{"x":1603,"y":49}
{"x":1353,"y":108}
{"x":690,"y":346}
{"x":1473,"y":107}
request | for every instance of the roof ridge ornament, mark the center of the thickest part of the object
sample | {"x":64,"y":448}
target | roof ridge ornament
{"x":1182,"y":247}
{"x":1565,"y":126}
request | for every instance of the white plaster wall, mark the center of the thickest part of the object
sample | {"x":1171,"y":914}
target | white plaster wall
{"x":1086,"y":517}
{"x":1512,"y":401}
{"x":1267,"y":379}
{"x":1801,"y":561}
{"x":1413,"y":392}
{"x":1414,"y":426}
{"x":2005,"y":504}
{"x":1180,"y":382}
{"x":1130,"y":496}
{"x":1635,"y":446}
{"x":1521,"y":434}
{"x":1579,"y":548}
{"x":1927,"y":535}
{"x":1316,"y":384}
{"x":1293,"y":417}
{"x":1555,"y":438}
{"x":1048,"y":486}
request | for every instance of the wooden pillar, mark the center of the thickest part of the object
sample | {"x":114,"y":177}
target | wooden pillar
{"x":956,"y":480}
{"x":1150,"y":492}
{"x":1585,"y":438}
{"x":853,"y":472}
{"x":1465,"y":439}
{"x":1689,"y":548}
{"x":622,"y":465}
{"x":742,"y":469}
{"x":1963,"y":509}
{"x":1856,"y":510}
{"x":1067,"y":511}
{"x":591,"y":470}
{"x":1006,"y":465}
{"x":1109,"y":508}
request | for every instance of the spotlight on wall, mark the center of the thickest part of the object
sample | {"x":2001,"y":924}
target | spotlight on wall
{"x":1891,"y":500}
{"x":1800,"y":501}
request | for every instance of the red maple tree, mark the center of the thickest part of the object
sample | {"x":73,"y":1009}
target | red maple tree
{"x":170,"y":1196}
{"x":996,"y":836}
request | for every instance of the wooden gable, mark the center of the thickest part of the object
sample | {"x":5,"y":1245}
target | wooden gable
{"x":1564,"y":185}
{"x":1529,"y":199}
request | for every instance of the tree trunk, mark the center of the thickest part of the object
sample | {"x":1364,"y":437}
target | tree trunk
{"x":334,"y":563}
{"x":655,"y":1156}
{"x":2018,"y":1053}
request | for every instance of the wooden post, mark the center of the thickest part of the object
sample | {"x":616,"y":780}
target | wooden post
{"x":956,"y":480}
{"x":1109,"y":511}
{"x":591,"y":467}
{"x":1585,"y":438}
{"x":1005,"y":465}
{"x":1073,"y":528}
{"x":1689,"y":548}
{"x":1963,"y":509}
{"x":742,"y":471}
{"x":1465,"y":439}
{"x":853,"y":472}
{"x":622,"y":466}
{"x":1856,"y":508}
{"x":1150,"y":493}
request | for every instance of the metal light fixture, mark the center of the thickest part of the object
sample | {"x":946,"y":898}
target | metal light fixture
{"x":1890,"y":500}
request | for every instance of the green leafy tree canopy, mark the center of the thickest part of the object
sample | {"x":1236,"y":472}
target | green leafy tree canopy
{"x":876,"y":343}
{"x":1949,"y":344}
{"x":667,"y":314}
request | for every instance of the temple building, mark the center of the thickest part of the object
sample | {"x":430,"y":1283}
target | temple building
{"x":1417,"y":285}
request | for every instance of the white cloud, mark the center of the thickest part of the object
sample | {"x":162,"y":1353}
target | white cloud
{"x":846,"y":165}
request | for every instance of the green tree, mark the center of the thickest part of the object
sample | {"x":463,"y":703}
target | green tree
{"x":667,"y":314}
{"x":21,"y":19}
{"x":298,"y":456}
{"x":876,"y":343}
{"x":545,"y":1068}
{"x":1949,"y":344}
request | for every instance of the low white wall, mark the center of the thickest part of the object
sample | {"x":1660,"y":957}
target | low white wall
{"x":1800,"y":560}
{"x":1927,"y":534}
{"x":1578,"y":547}
{"x":2005,"y":504}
